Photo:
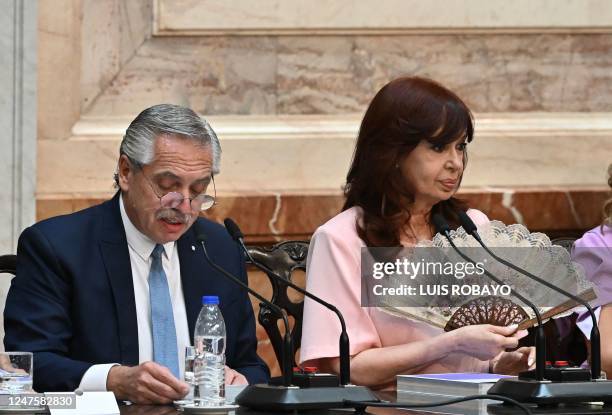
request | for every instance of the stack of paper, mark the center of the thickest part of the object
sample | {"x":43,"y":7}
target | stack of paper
{"x":420,"y":389}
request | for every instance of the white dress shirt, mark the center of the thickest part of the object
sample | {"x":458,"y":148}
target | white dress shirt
{"x":140,"y":248}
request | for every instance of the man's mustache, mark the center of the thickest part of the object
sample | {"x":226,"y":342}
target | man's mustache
{"x":173,"y":215}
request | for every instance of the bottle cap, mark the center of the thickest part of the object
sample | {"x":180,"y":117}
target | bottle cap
{"x":210,"y":299}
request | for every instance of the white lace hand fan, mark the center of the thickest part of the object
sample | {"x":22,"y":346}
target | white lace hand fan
{"x":514,"y":243}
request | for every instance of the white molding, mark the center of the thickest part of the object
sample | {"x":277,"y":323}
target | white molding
{"x":310,"y":153}
{"x":356,"y":17}
{"x":390,"y":32}
{"x":287,"y":127}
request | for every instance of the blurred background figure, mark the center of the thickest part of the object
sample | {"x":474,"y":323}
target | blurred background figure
{"x":594,"y":252}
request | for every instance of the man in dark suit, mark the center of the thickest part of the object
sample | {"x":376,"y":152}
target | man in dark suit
{"x":107,"y":298}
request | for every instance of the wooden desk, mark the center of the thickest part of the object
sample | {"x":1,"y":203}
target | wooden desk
{"x":388,"y":396}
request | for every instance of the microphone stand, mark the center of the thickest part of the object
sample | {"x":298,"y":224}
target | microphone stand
{"x":471,"y":229}
{"x":286,"y":364}
{"x":266,"y":397}
{"x":576,"y":388}
{"x":345,"y":364}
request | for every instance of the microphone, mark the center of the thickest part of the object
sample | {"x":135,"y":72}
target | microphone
{"x":286,"y":365}
{"x":540,"y":338}
{"x":471,"y":229}
{"x":294,"y":398}
{"x":235,"y":232}
{"x":345,"y":365}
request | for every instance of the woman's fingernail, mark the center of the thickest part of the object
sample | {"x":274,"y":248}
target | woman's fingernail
{"x":530,"y":361}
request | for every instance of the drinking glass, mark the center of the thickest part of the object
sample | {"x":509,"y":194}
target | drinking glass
{"x":15,"y":372}
{"x":190,"y":357}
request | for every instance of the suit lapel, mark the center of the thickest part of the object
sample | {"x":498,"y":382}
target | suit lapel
{"x":116,"y":257}
{"x":192,"y":277}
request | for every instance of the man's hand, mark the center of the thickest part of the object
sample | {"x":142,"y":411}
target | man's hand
{"x":147,"y":383}
{"x":234,"y":378}
{"x":5,"y":364}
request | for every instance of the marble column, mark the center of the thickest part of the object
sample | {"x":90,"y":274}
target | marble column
{"x":17,"y":119}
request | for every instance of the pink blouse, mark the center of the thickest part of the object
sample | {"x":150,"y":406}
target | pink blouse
{"x":333,"y":273}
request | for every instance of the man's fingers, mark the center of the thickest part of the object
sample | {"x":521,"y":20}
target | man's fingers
{"x":145,"y":396}
{"x":141,"y":384}
{"x":164,"y":377}
{"x":142,"y":392}
{"x":160,"y":389}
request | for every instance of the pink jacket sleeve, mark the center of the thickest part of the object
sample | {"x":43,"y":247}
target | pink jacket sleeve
{"x":333,"y":273}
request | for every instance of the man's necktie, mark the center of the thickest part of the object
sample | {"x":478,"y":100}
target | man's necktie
{"x":162,"y":319}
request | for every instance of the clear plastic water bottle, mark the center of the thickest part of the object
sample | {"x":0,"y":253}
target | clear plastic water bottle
{"x":209,"y":364}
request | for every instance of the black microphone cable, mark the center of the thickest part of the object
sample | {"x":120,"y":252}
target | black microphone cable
{"x":360,"y":406}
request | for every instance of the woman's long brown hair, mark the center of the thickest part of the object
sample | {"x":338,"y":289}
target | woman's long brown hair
{"x":404,"y":112}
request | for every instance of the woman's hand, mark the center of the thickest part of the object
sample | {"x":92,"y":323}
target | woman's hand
{"x":233,"y":377}
{"x":486,"y":341}
{"x":511,"y":363}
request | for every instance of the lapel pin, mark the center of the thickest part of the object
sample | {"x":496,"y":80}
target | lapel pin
{"x":193,"y":248}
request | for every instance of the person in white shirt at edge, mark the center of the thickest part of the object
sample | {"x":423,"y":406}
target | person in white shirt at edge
{"x":87,"y":320}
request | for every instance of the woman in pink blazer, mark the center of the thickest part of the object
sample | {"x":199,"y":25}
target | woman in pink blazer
{"x":408,"y":164}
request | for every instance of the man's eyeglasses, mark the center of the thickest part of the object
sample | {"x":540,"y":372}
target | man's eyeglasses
{"x":172,"y":200}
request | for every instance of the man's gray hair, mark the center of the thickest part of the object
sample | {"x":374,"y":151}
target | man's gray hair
{"x":166,"y":119}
